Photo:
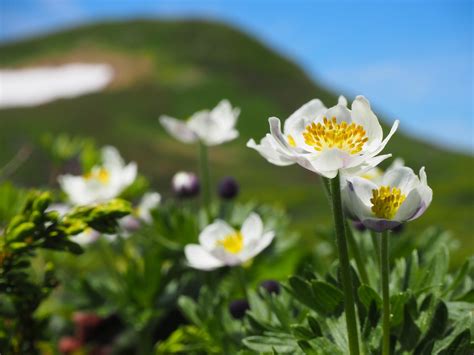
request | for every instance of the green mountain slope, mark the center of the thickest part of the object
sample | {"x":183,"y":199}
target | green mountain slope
{"x":178,"y":67}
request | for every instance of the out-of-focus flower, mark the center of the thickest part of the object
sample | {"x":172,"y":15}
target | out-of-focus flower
{"x":327,"y":141}
{"x":222,"y":245}
{"x":68,"y":345}
{"x":149,"y":202}
{"x":209,"y":127}
{"x":399,"y":197}
{"x":238,"y":308}
{"x":103,"y":182}
{"x":271,"y":286}
{"x":228,"y":188}
{"x":88,"y":236}
{"x":86,"y":323}
{"x":185,"y":184}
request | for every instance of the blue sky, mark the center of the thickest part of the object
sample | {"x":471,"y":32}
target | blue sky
{"x":412,"y":59}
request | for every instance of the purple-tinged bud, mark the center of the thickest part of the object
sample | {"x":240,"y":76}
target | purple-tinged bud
{"x":228,"y":188}
{"x":238,"y":308}
{"x":271,"y":286}
{"x":185,"y":184}
{"x":69,"y":345}
{"x":359,"y":226}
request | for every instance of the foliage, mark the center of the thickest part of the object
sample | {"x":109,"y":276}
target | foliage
{"x":34,"y":228}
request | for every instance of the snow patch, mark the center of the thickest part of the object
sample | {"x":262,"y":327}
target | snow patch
{"x":35,"y":86}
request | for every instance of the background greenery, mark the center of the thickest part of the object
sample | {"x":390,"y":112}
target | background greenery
{"x":178,"y":67}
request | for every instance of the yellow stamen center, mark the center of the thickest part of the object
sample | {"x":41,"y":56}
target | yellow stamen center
{"x":102,"y":175}
{"x":386,"y":201}
{"x":330,"y":134}
{"x":233,"y":243}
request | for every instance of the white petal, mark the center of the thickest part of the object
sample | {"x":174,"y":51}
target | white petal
{"x":362,"y":114}
{"x":111,"y":158}
{"x":252,"y":228}
{"x":409,"y":207}
{"x":149,"y":202}
{"x":403,"y":178}
{"x":266,"y":150}
{"x":88,"y":236}
{"x":328,"y":162}
{"x":225,"y":115}
{"x":342,"y":101}
{"x":74,"y":187}
{"x":385,"y":141}
{"x":213,"y":233}
{"x":256,"y":246}
{"x":304,"y":115}
{"x":359,"y":191}
{"x":199,"y":258}
{"x":128,"y":174}
{"x":341,"y":113}
{"x":178,"y":129}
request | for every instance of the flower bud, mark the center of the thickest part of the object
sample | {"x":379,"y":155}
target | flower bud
{"x":185,"y":184}
{"x":271,"y":286}
{"x":68,"y":345}
{"x":238,"y":308}
{"x":228,"y":188}
{"x":359,"y":226}
{"x":86,"y":324}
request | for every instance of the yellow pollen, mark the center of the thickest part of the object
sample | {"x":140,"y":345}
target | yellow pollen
{"x":291,"y":141}
{"x":102,"y":175}
{"x":386,"y":201}
{"x":330,"y":134}
{"x":233,"y":243}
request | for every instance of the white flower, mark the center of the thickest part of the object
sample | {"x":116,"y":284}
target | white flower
{"x":149,"y":202}
{"x":400,"y":196}
{"x":103,"y":182}
{"x":221,"y":245}
{"x":86,"y":237}
{"x":327,"y":141}
{"x":209,"y":127}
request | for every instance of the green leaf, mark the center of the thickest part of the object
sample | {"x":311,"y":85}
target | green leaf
{"x":279,"y":342}
{"x":328,"y":298}
{"x":367,"y":294}
{"x":323,"y":346}
{"x":460,"y":345}
{"x":302,"y":291}
{"x":315,"y":327}
{"x":189,"y":308}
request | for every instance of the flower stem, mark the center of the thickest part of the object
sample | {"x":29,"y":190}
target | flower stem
{"x":376,"y":245}
{"x":205,"y":179}
{"x":384,"y":272}
{"x":349,"y":303}
{"x":242,"y":280}
{"x":354,"y":247}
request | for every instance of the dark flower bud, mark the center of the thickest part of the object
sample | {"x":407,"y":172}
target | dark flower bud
{"x":398,"y":229}
{"x":86,"y":324}
{"x":359,"y":226}
{"x":228,"y":188}
{"x":67,"y":345}
{"x":185,"y":185}
{"x":271,"y":286}
{"x":238,"y":308}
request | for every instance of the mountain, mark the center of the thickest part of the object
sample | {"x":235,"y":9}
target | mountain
{"x":179,"y":67}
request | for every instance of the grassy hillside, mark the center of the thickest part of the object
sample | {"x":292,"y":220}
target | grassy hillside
{"x":179,"y":67}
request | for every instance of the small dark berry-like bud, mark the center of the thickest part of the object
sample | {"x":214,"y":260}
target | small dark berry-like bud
{"x":238,"y":308}
{"x":185,"y":185}
{"x":228,"y":188}
{"x":271,"y":286}
{"x":67,"y":345}
{"x":398,"y":229}
{"x":359,"y":226}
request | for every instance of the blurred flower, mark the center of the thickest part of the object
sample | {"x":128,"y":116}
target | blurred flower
{"x":271,"y":286}
{"x":86,"y":323}
{"x":68,"y":345}
{"x":88,"y":236}
{"x":209,"y":127}
{"x":327,"y":141}
{"x":238,"y":308}
{"x":400,"y":196}
{"x":103,"y":182}
{"x":148,"y":202}
{"x":185,"y":184}
{"x":221,"y":245}
{"x":228,"y":188}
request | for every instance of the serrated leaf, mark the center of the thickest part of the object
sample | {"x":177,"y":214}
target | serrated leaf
{"x":279,"y":342}
{"x":328,"y":298}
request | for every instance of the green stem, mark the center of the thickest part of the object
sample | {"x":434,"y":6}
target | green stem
{"x":242,"y":280}
{"x":349,"y":303}
{"x":205,"y":179}
{"x":327,"y":187}
{"x":385,"y":271}
{"x":375,"y":243}
{"x":354,"y":247}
